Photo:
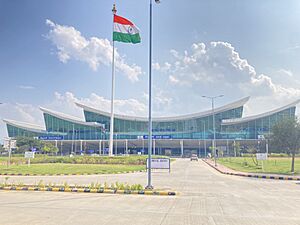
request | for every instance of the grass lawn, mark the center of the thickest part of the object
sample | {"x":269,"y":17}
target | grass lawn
{"x":63,"y":168}
{"x":272,"y":165}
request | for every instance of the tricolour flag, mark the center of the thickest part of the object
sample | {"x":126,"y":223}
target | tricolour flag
{"x":125,"y":31}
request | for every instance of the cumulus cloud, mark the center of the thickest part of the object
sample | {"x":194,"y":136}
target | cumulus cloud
{"x":218,"y":68}
{"x":71,"y":44}
{"x":26,"y":87}
{"x":20,"y":112}
{"x":65,"y":103}
{"x":164,"y":67}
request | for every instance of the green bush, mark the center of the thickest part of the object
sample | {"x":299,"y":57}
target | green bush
{"x":279,"y":155}
{"x":120,"y":160}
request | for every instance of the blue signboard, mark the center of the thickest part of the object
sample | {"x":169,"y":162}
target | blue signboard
{"x":33,"y":149}
{"x":51,"y":138}
{"x":158,"y":137}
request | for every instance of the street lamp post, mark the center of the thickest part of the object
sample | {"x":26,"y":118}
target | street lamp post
{"x":212,"y":98}
{"x":204,"y":140}
{"x":116,"y":150}
{"x":73,"y":130}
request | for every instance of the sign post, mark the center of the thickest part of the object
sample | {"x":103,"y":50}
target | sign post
{"x":262,"y":157}
{"x":8,"y":145}
{"x":29,"y":155}
{"x":160,"y":163}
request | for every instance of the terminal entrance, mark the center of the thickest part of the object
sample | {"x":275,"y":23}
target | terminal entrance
{"x":172,"y":148}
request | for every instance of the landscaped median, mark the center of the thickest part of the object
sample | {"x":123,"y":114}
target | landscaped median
{"x":225,"y":170}
{"x":105,"y":190}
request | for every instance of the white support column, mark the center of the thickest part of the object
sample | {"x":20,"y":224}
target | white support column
{"x":100,"y":147}
{"x":153,"y":146}
{"x":181,"y":146}
{"x":56,"y":146}
{"x":267,"y":147}
{"x":126,"y":147}
{"x":227,"y":147}
{"x":205,"y":151}
{"x":143,"y":146}
{"x":80,"y":146}
{"x":234,"y":148}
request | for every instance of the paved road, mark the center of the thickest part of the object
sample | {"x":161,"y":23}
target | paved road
{"x":207,"y":197}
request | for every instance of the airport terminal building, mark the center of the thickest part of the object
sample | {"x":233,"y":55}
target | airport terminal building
{"x":173,"y":134}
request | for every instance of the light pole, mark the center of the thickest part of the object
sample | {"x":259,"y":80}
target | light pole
{"x":204,"y":139}
{"x":73,"y":130}
{"x":116,"y":150}
{"x":212,"y":98}
{"x":149,"y":185}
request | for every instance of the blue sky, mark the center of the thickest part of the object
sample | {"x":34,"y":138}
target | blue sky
{"x":236,"y":48}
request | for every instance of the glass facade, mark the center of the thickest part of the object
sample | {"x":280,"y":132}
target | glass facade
{"x":229,"y":125}
{"x":192,"y":128}
{"x":252,"y":128}
{"x":72,"y":130}
{"x":14,"y":131}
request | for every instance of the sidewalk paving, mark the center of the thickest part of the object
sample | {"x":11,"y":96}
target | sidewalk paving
{"x":225,"y":170}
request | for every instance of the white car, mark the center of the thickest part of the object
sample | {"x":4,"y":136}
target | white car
{"x":194,"y":157}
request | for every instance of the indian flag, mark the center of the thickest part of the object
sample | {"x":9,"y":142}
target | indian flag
{"x":125,"y":31}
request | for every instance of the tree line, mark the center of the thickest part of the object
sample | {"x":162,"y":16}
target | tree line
{"x":25,"y":144}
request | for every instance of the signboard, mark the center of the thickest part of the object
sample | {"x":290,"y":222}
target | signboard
{"x":33,"y":149}
{"x":29,"y":155}
{"x":160,"y":163}
{"x":50,"y":138}
{"x":158,"y":137}
{"x":261,"y":137}
{"x":261,"y":156}
{"x":9,"y":144}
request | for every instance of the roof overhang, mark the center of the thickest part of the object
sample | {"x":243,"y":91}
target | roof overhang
{"x":227,"y":107}
{"x":255,"y":117}
{"x":69,"y":118}
{"x":26,"y":126}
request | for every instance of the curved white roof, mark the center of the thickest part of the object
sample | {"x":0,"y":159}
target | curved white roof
{"x":26,"y":126}
{"x":69,"y":118}
{"x":250,"y":118}
{"x":232,"y":105}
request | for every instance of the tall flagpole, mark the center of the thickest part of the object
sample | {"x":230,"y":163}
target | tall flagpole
{"x":149,"y":185}
{"x":111,"y":129}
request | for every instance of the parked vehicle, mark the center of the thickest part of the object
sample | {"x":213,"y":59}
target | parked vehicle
{"x":194,"y":157}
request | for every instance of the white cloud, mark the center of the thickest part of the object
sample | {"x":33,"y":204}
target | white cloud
{"x":165,"y":67}
{"x":173,"y":79}
{"x":218,"y":68}
{"x":95,"y":51}
{"x":26,"y":87}
{"x":65,"y":103}
{"x":286,"y":72}
{"x":20,"y":112}
{"x":156,"y":66}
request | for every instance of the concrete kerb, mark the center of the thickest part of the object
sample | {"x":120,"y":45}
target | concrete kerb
{"x":262,"y":176}
{"x":88,"y":190}
{"x":67,"y":174}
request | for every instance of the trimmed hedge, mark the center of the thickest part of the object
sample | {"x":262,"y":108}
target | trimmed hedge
{"x":120,"y":160}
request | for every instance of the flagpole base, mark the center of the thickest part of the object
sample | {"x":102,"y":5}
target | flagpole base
{"x":149,"y":187}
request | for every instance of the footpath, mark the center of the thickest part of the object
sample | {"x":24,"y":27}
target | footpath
{"x":228,"y":171}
